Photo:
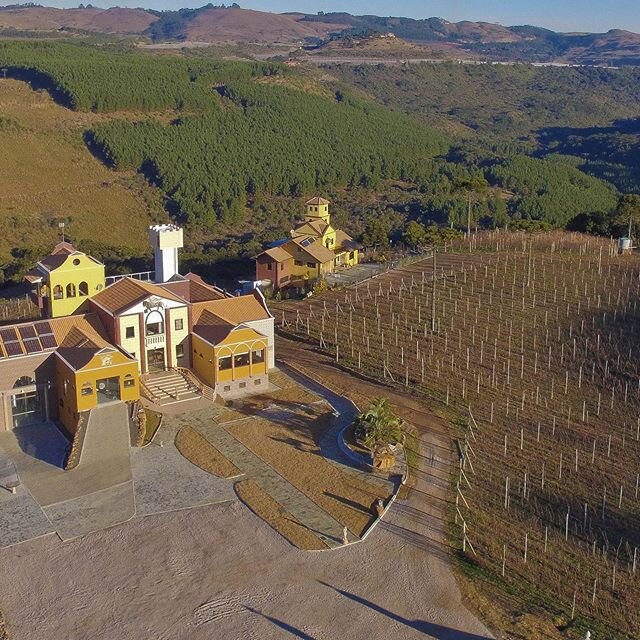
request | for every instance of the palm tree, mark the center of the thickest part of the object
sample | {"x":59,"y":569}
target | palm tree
{"x":378,"y":425}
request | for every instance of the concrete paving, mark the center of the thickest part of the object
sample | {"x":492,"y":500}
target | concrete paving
{"x":21,"y":517}
{"x":165,"y":481}
{"x":92,"y":512}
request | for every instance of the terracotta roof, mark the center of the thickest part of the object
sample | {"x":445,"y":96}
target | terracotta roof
{"x":53,"y":261}
{"x":72,"y":330}
{"x":127,"y":292}
{"x":194,"y":290}
{"x":63,"y":247}
{"x":311,"y":226}
{"x":345,"y":242}
{"x":33,"y":276}
{"x":317,"y":200}
{"x":212,"y":328}
{"x":43,"y":336}
{"x":237,"y":310}
{"x":278,"y":254}
{"x":316,"y":250}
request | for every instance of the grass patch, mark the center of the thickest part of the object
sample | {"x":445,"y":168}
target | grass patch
{"x":264,"y":506}
{"x":152,"y":424}
{"x":289,"y":443}
{"x":199,"y":451}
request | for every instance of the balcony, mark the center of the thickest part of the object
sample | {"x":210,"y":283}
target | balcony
{"x":157,"y":340}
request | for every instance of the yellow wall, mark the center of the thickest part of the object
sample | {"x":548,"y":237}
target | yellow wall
{"x":132,"y":345}
{"x":70,"y":383}
{"x":179,"y":336}
{"x":69,"y":273}
{"x":318,"y":211}
{"x":345,"y":260}
{"x":205,"y":356}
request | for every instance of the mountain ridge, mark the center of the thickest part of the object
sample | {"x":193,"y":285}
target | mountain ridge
{"x":220,"y":24}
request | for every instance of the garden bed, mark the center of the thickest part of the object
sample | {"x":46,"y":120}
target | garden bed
{"x":199,"y":451}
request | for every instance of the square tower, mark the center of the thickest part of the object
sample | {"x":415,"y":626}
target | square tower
{"x":165,"y":239}
{"x":318,"y":209}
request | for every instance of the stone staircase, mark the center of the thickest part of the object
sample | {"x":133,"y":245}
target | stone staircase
{"x":167,"y":387}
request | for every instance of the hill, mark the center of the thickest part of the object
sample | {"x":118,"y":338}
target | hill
{"x":114,"y":21}
{"x":437,"y":37}
{"x":48,"y":177}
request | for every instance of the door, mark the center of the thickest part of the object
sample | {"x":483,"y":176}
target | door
{"x":108,"y":390}
{"x":155,"y":359}
{"x":26,"y":408}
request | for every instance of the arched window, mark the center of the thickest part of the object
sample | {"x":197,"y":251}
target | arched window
{"x":58,"y":292}
{"x":23,"y":381}
{"x":71,"y":290}
{"x":154,"y":324}
{"x":83,"y":289}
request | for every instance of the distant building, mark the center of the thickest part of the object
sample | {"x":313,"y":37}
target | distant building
{"x":315,"y":249}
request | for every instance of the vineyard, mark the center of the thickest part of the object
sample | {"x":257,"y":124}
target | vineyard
{"x":530,"y":344}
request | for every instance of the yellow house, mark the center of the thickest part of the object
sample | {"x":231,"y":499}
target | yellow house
{"x":317,"y":249}
{"x":65,"y":280}
{"x":88,"y":375}
{"x":228,"y":356}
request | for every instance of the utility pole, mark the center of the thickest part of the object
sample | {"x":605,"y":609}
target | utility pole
{"x":433,"y":295}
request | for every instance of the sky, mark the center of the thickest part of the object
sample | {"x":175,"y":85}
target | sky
{"x":561,"y":15}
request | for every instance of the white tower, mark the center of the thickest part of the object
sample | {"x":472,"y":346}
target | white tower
{"x":165,"y":239}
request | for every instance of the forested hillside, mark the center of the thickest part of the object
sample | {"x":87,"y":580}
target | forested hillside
{"x":114,"y":78}
{"x":268,"y":139}
{"x":235,"y":147}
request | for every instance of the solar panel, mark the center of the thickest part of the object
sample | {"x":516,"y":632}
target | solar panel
{"x":43,"y":328}
{"x":306,"y":242}
{"x":48,"y":341}
{"x":32,"y":345}
{"x":27,"y":332}
{"x":13,"y":349}
{"x":8,"y":334}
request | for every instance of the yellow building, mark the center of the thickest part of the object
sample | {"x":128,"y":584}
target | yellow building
{"x":65,"y":280}
{"x":88,"y":375}
{"x":315,"y":250}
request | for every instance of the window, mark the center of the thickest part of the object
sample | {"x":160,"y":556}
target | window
{"x":58,"y":293}
{"x":130,"y":332}
{"x":86,"y":391}
{"x":281,"y":267}
{"x":71,"y":290}
{"x":23,"y":381}
{"x":269,"y":266}
{"x":179,"y":351}
{"x":129,"y":381}
{"x":257,"y":357}
{"x":311,"y":265}
{"x":83,"y":289}
{"x":224,"y":363}
{"x":298,"y":263}
{"x":155,"y":324}
{"x":178,"y":324}
{"x":241,"y":360}
{"x":257,"y":381}
{"x":227,"y":387}
{"x":243,"y":385}
{"x":352,"y":255}
{"x":76,"y":262}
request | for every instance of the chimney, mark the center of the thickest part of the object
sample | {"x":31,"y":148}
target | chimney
{"x":165,"y":239}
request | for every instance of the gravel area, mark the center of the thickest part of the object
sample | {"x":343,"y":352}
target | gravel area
{"x":220,"y":572}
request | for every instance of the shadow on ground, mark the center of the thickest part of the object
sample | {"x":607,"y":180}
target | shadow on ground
{"x":437,"y":631}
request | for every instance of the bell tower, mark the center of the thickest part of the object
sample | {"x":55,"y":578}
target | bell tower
{"x":318,"y":209}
